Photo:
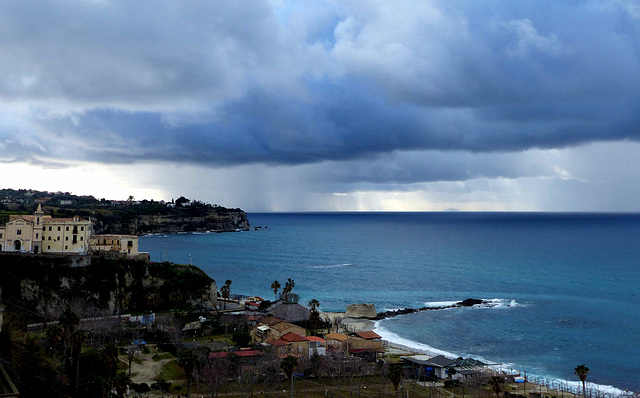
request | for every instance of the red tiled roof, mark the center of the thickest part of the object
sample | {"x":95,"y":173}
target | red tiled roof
{"x":369,"y":335}
{"x":293,"y":337}
{"x":315,"y":338}
{"x":337,"y":336}
{"x":240,"y":353}
{"x":278,"y":342}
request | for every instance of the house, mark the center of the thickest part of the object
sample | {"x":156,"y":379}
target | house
{"x":272,"y":328}
{"x":290,"y":312}
{"x":298,"y":346}
{"x":469,"y":367}
{"x":317,"y":344}
{"x":124,"y":244}
{"x":424,"y":367}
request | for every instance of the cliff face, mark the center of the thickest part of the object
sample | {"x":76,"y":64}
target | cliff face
{"x":168,"y":223}
{"x":171,"y":222}
{"x":47,"y":283}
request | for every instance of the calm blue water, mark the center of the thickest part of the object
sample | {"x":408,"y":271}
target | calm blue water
{"x":571,"y":279}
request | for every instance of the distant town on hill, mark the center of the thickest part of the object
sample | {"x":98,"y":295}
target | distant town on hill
{"x":128,"y":216}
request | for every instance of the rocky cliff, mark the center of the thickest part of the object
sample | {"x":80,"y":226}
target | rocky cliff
{"x":167,"y":221}
{"x":47,"y":283}
{"x":171,"y":223}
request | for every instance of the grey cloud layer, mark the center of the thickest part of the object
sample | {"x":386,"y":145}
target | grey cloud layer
{"x":230,"y":83}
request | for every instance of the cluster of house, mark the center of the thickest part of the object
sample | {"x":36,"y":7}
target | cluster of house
{"x":285,"y":339}
{"x":40,"y":233}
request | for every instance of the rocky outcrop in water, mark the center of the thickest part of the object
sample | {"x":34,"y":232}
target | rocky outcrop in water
{"x":404,"y":311}
{"x":361,"y":311}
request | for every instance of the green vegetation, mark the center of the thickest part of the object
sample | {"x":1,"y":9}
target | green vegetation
{"x":171,"y":371}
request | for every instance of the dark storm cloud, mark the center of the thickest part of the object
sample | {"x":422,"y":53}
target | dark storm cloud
{"x":231,"y":83}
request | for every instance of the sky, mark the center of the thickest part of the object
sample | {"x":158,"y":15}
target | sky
{"x":345,"y":105}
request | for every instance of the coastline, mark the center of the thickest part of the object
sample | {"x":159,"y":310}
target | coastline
{"x":397,"y":342}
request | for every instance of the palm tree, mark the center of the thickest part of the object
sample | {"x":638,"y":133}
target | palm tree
{"x":225,"y":291}
{"x":582,"y":371}
{"x":76,"y":339}
{"x":275,"y":286}
{"x":395,"y":375}
{"x":109,"y":356}
{"x":288,"y":365}
{"x":54,"y":334}
{"x":314,"y":304}
{"x":68,"y":320}
{"x":495,"y":382}
{"x":314,"y":315}
{"x":187,"y":359}
{"x":288,"y":288}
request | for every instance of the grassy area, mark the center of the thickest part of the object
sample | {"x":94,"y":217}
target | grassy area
{"x":171,"y":371}
{"x":160,"y":357}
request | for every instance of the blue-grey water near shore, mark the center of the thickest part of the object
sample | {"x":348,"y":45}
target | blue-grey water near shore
{"x":567,"y":284}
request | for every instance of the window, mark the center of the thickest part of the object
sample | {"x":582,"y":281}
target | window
{"x":75,"y":239}
{"x":66,"y":238}
{"x":67,"y":228}
{"x":48,"y":247}
{"x":58,"y":238}
{"x":49,"y":238}
{"x":66,"y":247}
{"x":58,"y":228}
{"x":37,"y":235}
{"x":49,"y":228}
{"x":19,"y":232}
{"x":82,"y":238}
{"x":0,"y":236}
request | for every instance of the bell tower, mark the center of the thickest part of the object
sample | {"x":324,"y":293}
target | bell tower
{"x":38,"y":229}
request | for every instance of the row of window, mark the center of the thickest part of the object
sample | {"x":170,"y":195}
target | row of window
{"x":75,"y":230}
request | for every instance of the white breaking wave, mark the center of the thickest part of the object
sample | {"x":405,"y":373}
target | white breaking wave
{"x":409,"y":345}
{"x":414,"y":346}
{"x":440,"y":304}
{"x":486,"y":303}
{"x":331,"y":265}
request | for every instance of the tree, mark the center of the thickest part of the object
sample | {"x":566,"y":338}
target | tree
{"x":288,"y":365}
{"x":109,"y":356}
{"x":187,"y":360}
{"x":241,"y":339}
{"x":495,"y":383}
{"x":54,"y":334}
{"x":68,"y":320}
{"x":395,"y":375}
{"x":121,"y":382}
{"x":225,"y":292}
{"x":314,"y":315}
{"x":275,"y":286}
{"x":582,"y":371}
{"x":314,"y":304}
{"x":181,"y":201}
{"x":76,"y":339}
{"x":288,"y":288}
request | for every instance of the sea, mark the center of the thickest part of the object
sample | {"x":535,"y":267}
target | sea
{"x":563,"y":287}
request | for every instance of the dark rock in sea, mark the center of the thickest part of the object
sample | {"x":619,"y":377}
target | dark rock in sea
{"x":470,"y":302}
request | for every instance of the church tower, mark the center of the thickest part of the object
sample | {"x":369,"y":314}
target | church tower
{"x":38,"y":229}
